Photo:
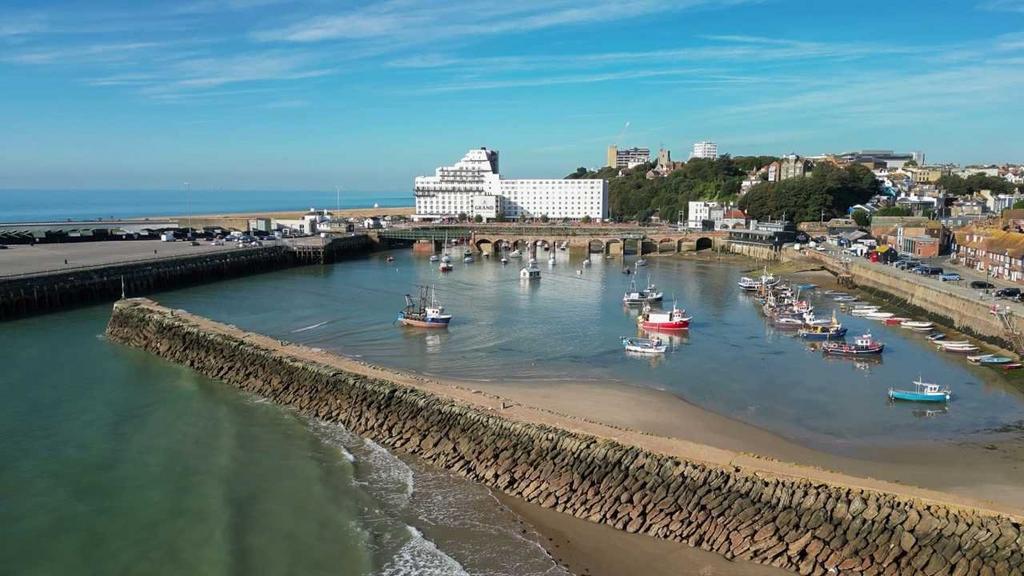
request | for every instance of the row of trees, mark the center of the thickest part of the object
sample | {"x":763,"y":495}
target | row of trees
{"x":957,"y":186}
{"x":633,"y":197}
{"x":827,"y":192}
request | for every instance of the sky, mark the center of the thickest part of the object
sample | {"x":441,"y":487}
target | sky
{"x":290,"y":95}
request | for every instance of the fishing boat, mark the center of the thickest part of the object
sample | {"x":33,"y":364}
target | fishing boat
{"x":424,"y":312}
{"x":918,"y":325}
{"x":530,"y":272}
{"x":676,"y":319}
{"x":633,"y":296}
{"x":879,"y":315}
{"x":864,"y":344}
{"x":445,"y":266}
{"x":834,"y":331}
{"x":748,"y":284}
{"x":922,"y":392}
{"x":993,"y":360}
{"x":788,"y":323}
{"x":651,"y":293}
{"x":895,"y":321}
{"x":644,"y":345}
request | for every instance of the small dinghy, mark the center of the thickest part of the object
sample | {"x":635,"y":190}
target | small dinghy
{"x":917,"y":325}
{"x":993,"y":360}
{"x":434,"y":257}
{"x":895,"y":321}
{"x":644,"y":345}
{"x":863,"y":310}
{"x":959,"y":348}
{"x":845,"y":299}
{"x":936,"y":336}
{"x":1013,"y":366}
{"x":922,"y":392}
{"x":977,"y":359}
{"x":879,"y":315}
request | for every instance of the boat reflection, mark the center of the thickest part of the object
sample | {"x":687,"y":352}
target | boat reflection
{"x":652,"y":359}
{"x":674,"y":338}
{"x":930,"y":412}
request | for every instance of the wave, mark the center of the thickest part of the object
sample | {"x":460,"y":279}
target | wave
{"x":421,"y":557}
{"x":388,"y":477}
{"x":310,"y":327}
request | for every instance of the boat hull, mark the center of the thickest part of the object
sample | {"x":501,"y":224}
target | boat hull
{"x":666,"y":326}
{"x":428,"y":323}
{"x":854,"y":351}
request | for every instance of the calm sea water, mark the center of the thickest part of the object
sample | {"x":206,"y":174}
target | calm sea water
{"x":566,"y":327}
{"x":115,"y":462}
{"x":50,"y":205}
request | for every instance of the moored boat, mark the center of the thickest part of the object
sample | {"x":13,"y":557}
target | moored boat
{"x":922,"y":392}
{"x":977,"y":359}
{"x":895,"y":321}
{"x":424,"y":312}
{"x":879,"y":315}
{"x":993,"y":360}
{"x":530,"y":272}
{"x":863,"y":310}
{"x":831,"y":332}
{"x":918,"y":325}
{"x":845,"y":298}
{"x":675,"y":319}
{"x":936,"y":336}
{"x":959,"y":348}
{"x":644,"y":345}
{"x":864,"y":344}
{"x":434,"y":257}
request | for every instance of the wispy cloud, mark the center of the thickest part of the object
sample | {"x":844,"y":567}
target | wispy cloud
{"x":1003,"y":5}
{"x":431,"y":20}
{"x":555,"y":80}
{"x":93,"y":53}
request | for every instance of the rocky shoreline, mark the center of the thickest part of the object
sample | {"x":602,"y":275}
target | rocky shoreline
{"x":806,"y":526}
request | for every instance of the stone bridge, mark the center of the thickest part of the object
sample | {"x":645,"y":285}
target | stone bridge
{"x":577,"y":239}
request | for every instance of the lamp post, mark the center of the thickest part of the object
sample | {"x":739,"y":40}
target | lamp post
{"x":188,"y":207}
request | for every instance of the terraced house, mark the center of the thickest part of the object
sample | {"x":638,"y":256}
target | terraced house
{"x":999,"y":253}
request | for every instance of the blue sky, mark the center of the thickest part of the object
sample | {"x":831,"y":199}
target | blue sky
{"x":273,"y":94}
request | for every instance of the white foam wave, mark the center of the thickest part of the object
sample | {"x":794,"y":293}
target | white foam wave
{"x":421,"y":557}
{"x":389,"y":477}
{"x":310,"y":327}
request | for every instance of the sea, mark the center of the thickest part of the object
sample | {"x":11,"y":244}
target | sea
{"x":57,"y":205}
{"x":116,"y":462}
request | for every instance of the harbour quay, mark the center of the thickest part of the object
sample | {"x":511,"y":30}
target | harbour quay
{"x":49,"y":277}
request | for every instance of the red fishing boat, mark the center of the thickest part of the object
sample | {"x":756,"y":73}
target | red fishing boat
{"x":674,"y":319}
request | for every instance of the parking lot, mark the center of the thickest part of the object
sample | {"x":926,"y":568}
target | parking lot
{"x":21,"y":259}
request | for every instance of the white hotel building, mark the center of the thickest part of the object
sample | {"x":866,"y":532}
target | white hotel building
{"x":474,"y":187}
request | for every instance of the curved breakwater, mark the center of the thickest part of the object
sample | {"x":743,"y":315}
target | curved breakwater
{"x":807,"y":526}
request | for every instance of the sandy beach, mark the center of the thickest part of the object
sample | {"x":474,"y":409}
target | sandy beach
{"x":983,"y":478}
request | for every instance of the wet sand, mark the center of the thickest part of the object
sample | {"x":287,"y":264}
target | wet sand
{"x":589,"y":549}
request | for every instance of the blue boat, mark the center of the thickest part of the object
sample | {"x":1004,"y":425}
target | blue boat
{"x":994,"y":360}
{"x":922,"y":392}
{"x":820,"y":333}
{"x":806,"y":286}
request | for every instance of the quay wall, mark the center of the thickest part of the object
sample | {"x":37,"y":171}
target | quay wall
{"x":805,"y":526}
{"x":755,"y":251}
{"x":965,"y":314}
{"x":42,"y":293}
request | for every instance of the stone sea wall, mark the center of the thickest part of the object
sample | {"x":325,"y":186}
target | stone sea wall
{"x":756,"y":251}
{"x":803,"y":526}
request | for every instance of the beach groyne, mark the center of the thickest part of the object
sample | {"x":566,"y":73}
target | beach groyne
{"x":40,"y":293}
{"x":806,"y":526}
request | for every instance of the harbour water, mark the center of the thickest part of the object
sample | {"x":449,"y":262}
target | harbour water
{"x":109,"y":450}
{"x":566,"y":328}
{"x":49,"y":205}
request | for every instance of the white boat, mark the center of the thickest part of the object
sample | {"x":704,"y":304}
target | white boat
{"x":434,"y":257}
{"x":504,"y":260}
{"x":515,"y":254}
{"x":468,"y":259}
{"x":952,"y":343}
{"x":644,"y":345}
{"x":977,"y":359}
{"x":551,"y":261}
{"x":530,"y":272}
{"x":586,"y":262}
{"x":641,"y":262}
{"x":879,"y":315}
{"x":863,"y":310}
{"x":918,"y":325}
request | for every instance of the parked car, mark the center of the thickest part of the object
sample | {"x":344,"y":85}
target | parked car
{"x":982,"y":285}
{"x":926,"y":270}
{"x":1008,"y":293}
{"x":950,"y":277}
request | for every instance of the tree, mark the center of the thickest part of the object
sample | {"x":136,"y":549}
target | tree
{"x":910,"y":163}
{"x":586,"y":219}
{"x":478,"y":218}
{"x":1018,"y":205}
{"x":861,"y":217}
{"x":828,"y":191}
{"x":580,"y":172}
{"x":544,"y":218}
{"x":500,"y":217}
{"x":463,"y":217}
